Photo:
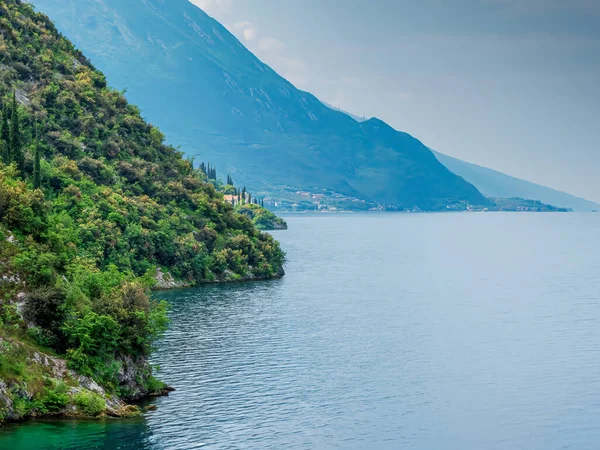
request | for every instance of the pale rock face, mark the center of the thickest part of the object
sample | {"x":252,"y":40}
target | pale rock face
{"x":57,"y":369}
{"x":165,"y":281}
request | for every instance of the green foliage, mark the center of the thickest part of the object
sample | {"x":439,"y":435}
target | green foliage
{"x":262,"y":218}
{"x":55,"y":398}
{"x":12,"y":362}
{"x":37,"y":175}
{"x":44,"y":307}
{"x":154,"y":385}
{"x":90,"y":404}
{"x":15,"y":143}
{"x":96,"y":203}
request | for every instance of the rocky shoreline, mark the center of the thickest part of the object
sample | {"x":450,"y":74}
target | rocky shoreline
{"x":72,"y":396}
{"x":79,"y":396}
{"x":166,"y":282}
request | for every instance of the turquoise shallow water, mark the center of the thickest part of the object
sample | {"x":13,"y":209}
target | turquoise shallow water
{"x":432,"y":331}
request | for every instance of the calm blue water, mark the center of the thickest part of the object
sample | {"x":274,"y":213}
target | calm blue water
{"x":447,"y":331}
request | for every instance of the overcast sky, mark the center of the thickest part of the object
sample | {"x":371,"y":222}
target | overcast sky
{"x":509,"y":84}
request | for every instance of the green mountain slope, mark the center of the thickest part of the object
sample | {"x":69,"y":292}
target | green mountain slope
{"x":213,"y":97}
{"x":93,"y":208}
{"x":496,"y":184}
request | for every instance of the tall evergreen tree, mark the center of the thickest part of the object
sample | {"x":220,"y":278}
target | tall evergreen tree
{"x":4,"y":154}
{"x":203,"y":167}
{"x":5,"y":136}
{"x":37,"y":174}
{"x":16,"y":140}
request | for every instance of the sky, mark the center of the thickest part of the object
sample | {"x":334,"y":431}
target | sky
{"x":508,"y":84}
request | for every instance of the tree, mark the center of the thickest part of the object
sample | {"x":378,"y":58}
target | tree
{"x":203,"y":167}
{"x":37,"y":174}
{"x":5,"y":137}
{"x":15,"y":140}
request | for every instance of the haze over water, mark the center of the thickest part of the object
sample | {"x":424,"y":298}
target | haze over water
{"x":449,"y":331}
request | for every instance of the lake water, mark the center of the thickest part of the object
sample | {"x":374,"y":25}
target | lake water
{"x":426,"y":331}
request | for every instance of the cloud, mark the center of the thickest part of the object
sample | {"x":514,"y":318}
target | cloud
{"x":251,"y":36}
{"x":247,"y":30}
{"x":269,"y":44}
{"x":212,"y":5}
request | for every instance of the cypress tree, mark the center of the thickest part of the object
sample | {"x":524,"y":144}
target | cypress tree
{"x":203,"y":167}
{"x":5,"y":137}
{"x":5,"y":133}
{"x":16,"y":150}
{"x":4,"y":155}
{"x":37,"y":175}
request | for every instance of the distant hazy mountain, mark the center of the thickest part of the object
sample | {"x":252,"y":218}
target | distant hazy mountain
{"x":497,"y":184}
{"x":354,"y":116}
{"x":215,"y":98}
{"x":492,"y":183}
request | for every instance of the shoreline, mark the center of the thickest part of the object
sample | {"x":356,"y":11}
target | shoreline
{"x":115,"y":407}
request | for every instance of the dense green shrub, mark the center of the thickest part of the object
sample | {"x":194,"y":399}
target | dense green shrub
{"x":55,"y":398}
{"x":90,"y":404}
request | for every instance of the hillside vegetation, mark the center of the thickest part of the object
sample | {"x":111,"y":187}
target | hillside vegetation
{"x":92,"y":203}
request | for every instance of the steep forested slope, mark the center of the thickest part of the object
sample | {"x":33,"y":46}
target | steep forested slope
{"x":213,"y":97}
{"x":92,"y":203}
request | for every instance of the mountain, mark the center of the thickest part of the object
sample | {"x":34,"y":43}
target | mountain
{"x":213,"y":97}
{"x":95,"y":209}
{"x":354,"y":116}
{"x":496,"y":184}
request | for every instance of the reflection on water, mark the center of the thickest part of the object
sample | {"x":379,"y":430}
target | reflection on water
{"x":458,"y":331}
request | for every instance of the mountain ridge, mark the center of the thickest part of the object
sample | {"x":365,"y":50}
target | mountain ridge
{"x":496,"y":184}
{"x":227,"y":105}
